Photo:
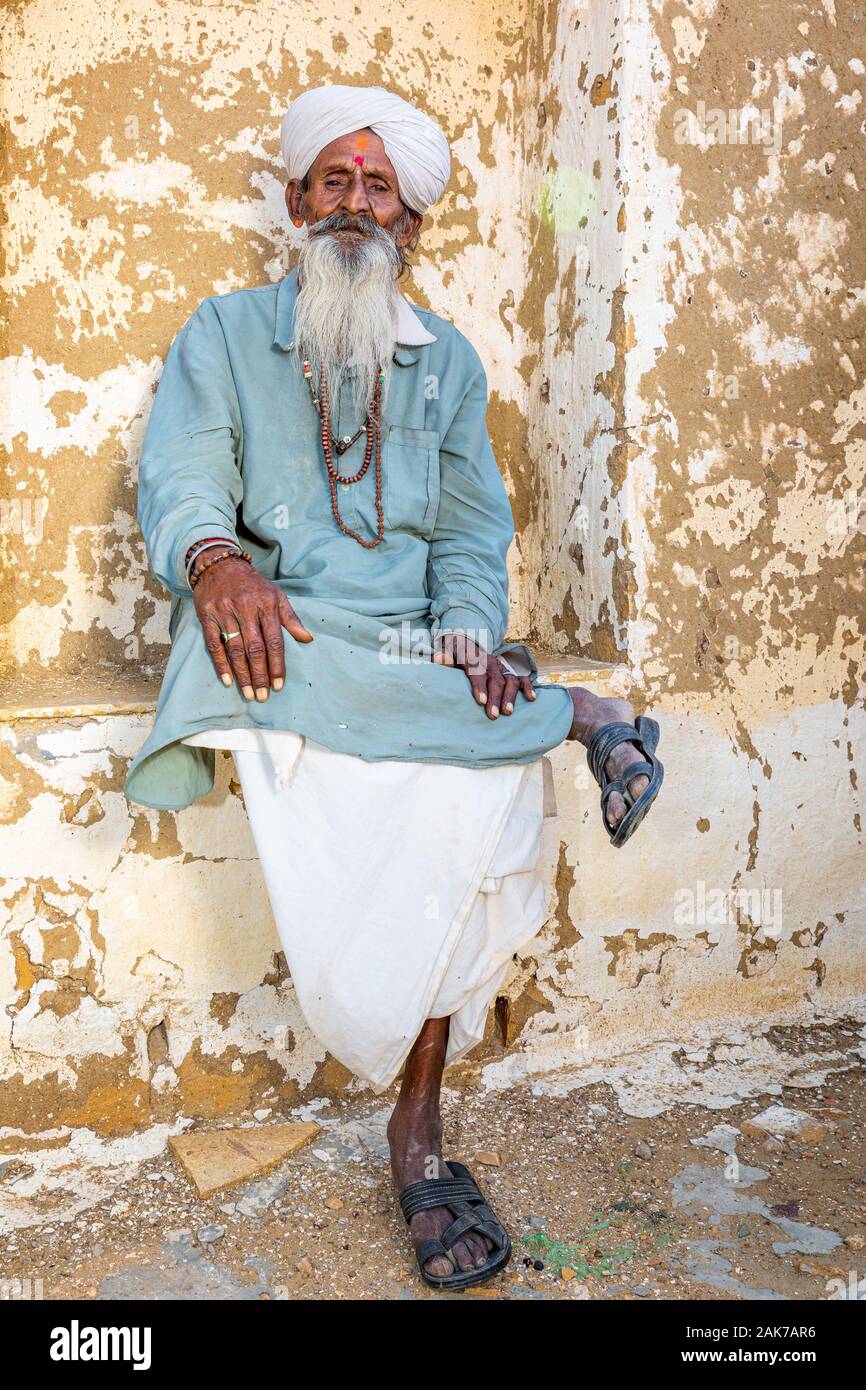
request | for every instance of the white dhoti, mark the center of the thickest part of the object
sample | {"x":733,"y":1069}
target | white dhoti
{"x":400,"y":890}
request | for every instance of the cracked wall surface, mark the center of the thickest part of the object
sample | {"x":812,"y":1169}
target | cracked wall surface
{"x":144,"y":174}
{"x":671,"y":319}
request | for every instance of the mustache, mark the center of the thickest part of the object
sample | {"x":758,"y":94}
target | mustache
{"x":346,"y":222}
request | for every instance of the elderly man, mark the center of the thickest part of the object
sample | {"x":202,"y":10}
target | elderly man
{"x":319,"y":494}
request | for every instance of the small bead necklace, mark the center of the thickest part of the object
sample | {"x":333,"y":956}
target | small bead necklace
{"x":373,"y":426}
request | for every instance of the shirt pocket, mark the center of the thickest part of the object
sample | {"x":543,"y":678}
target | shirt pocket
{"x":410,"y":486}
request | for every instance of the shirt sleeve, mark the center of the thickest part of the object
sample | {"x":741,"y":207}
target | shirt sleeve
{"x":190,"y":484}
{"x":467,"y":574}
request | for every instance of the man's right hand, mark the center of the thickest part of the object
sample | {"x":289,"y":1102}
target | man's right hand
{"x":234,"y":598}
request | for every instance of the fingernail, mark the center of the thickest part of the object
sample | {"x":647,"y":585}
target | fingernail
{"x":261,"y":694}
{"x":226,"y":679}
{"x":494,"y":711}
{"x":247,"y":692}
{"x":278,"y":683}
{"x":482,"y":697}
{"x":508,"y":708}
{"x":532,"y":695}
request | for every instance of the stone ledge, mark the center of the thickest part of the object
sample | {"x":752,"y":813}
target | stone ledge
{"x":103,"y":692}
{"x":117,"y":693}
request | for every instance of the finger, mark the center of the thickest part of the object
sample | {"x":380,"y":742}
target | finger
{"x":257,"y":656}
{"x":527,"y":687}
{"x":450,"y":650}
{"x":495,"y":687}
{"x":292,"y":623}
{"x":479,"y":687}
{"x":509,"y":694}
{"x":236,"y":653}
{"x":274,"y":646}
{"x":444,"y":653}
{"x":211,"y":630}
{"x":475,"y":659}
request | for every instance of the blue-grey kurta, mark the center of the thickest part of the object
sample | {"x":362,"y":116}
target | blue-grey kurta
{"x":233,"y":447}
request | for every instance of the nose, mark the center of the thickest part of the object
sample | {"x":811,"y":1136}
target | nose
{"x":355,"y":198}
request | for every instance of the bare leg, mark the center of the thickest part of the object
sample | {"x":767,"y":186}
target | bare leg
{"x":415,"y":1137}
{"x":590,"y":713}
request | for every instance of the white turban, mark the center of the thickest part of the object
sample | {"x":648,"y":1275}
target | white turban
{"x":413,"y":142}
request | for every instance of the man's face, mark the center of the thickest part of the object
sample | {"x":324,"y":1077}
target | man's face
{"x":353,"y":176}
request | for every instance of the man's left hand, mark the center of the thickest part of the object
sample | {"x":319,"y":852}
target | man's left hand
{"x":492,"y":685}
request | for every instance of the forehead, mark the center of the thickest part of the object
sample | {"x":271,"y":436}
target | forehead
{"x":342,"y":152}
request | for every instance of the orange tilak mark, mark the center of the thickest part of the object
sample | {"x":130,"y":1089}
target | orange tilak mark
{"x":362,"y":145}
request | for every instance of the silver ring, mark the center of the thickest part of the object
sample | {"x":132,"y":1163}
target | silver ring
{"x":227,"y":636}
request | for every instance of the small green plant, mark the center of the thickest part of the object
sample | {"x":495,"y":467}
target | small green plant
{"x":604,"y":1242}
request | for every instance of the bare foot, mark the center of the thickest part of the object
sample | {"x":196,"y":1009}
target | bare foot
{"x":415,"y":1139}
{"x":590,"y":713}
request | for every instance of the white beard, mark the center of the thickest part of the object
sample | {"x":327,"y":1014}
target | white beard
{"x":345,"y":311}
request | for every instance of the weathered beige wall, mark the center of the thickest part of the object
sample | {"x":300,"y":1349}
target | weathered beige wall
{"x":671,"y":334}
{"x":145,"y":174}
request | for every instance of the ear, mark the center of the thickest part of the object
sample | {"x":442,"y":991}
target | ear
{"x":410,"y":231}
{"x":294,"y":201}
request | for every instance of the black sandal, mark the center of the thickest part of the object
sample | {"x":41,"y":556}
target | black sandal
{"x":644,"y":734}
{"x":464,"y":1199}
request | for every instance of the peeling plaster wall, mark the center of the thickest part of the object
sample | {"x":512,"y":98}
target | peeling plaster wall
{"x":674,"y":348}
{"x":141,"y":975}
{"x":748,"y":474}
{"x":144,"y":174}
{"x":744,"y":273}
{"x":575,"y":215}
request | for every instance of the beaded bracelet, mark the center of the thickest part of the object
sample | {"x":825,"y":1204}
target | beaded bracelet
{"x":198,"y":546}
{"x":214,"y":560}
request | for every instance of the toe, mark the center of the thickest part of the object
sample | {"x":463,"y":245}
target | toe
{"x":476,"y":1247}
{"x":463,"y":1255}
{"x":615,"y":810}
{"x":638,"y":785}
{"x":439,"y":1266}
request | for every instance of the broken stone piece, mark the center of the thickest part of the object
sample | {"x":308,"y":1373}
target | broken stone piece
{"x":488,"y":1157}
{"x":219,"y":1158}
{"x":209,"y":1235}
{"x":789,"y":1124}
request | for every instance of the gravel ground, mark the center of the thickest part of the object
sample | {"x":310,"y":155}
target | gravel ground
{"x":599,"y":1204}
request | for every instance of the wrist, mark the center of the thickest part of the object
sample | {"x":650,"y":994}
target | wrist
{"x":203,"y":545}
{"x":211,"y":554}
{"x":217,"y":556}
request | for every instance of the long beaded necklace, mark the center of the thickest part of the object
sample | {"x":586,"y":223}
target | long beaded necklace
{"x":373,"y":426}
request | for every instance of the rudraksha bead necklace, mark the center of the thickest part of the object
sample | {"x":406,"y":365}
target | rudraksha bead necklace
{"x":373,"y":426}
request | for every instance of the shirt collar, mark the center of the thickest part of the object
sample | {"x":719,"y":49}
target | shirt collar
{"x":410,"y":330}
